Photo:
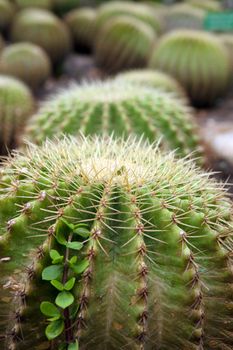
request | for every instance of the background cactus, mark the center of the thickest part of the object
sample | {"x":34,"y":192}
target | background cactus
{"x":82,"y":25}
{"x":103,"y":108}
{"x":16,"y":104}
{"x":109,"y":11}
{"x":44,"y":4}
{"x":63,"y":6}
{"x":43,"y":29}
{"x":197,"y":60}
{"x":27,"y":62}
{"x":123,"y":43}
{"x":154,"y":79}
{"x":7,"y":12}
{"x":208,"y":5}
{"x":1,"y":43}
{"x":227,"y":40}
{"x":184,"y":16}
{"x":151,"y":268}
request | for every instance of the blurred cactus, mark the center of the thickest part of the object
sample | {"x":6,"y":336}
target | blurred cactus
{"x":7,"y":12}
{"x":123,"y":43}
{"x":154,"y":79}
{"x":120,"y":247}
{"x":44,"y":4}
{"x":197,"y":60}
{"x":26,"y":62}
{"x":2,"y":44}
{"x":63,"y":6}
{"x":43,"y":29}
{"x":109,"y":11}
{"x":227,"y":40}
{"x":114,"y":106}
{"x":16,"y":105}
{"x":207,"y":5}
{"x":184,"y":16}
{"x":82,"y":26}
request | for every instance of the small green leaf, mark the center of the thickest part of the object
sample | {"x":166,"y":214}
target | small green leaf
{"x":54,"y":318}
{"x":60,"y":237}
{"x":80,"y":267}
{"x":68,"y":224}
{"x":58,"y":285}
{"x":73,"y":346}
{"x":58,"y":260}
{"x":69,"y":284}
{"x":74,"y":245}
{"x":54,"y":329}
{"x":82,"y":231}
{"x":64,"y":299}
{"x":54,"y":254}
{"x":73,"y":260}
{"x":51,"y":272}
{"x":49,"y":309}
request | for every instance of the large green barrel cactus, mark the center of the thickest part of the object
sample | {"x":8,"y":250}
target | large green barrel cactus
{"x":7,"y":12}
{"x":104,"y":108}
{"x":184,"y":16}
{"x":123,"y":43}
{"x":197,"y":60}
{"x":16,"y":104}
{"x":44,"y":4}
{"x":111,"y":245}
{"x":110,"y":10}
{"x":27,"y":62}
{"x":82,"y":26}
{"x":42,"y":28}
{"x":155,"y":79}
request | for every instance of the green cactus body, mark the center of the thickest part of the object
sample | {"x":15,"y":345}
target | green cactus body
{"x":82,"y":25}
{"x":124,"y":43}
{"x":104,"y":108}
{"x":16,"y":105}
{"x":154,"y":79}
{"x":27,"y":62}
{"x":42,"y":28}
{"x":43,"y":4}
{"x":7,"y":12}
{"x":2,"y":44}
{"x":184,"y":16}
{"x":109,"y":11}
{"x":154,"y":261}
{"x":63,"y":6}
{"x":207,"y":5}
{"x":227,"y":40}
{"x":197,"y":60}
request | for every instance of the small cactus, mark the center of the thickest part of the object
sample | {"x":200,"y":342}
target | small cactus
{"x":82,"y":26}
{"x":27,"y":62}
{"x":43,"y":4}
{"x":42,"y":28}
{"x":7,"y":12}
{"x":184,"y":16}
{"x":154,"y":79}
{"x":123,"y":43}
{"x":16,"y":105}
{"x":197,"y":60}
{"x":111,"y":245}
{"x":111,"y":10}
{"x":103,"y":108}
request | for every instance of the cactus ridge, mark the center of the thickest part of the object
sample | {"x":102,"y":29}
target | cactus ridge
{"x":123,"y":43}
{"x":159,"y":269}
{"x":112,"y":106}
{"x":197,"y":60}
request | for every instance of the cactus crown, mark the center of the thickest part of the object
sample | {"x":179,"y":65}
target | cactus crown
{"x":27,"y":62}
{"x":114,"y":106}
{"x":155,"y":272}
{"x":191,"y":64}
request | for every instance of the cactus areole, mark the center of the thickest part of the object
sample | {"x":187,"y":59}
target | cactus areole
{"x":112,"y":245}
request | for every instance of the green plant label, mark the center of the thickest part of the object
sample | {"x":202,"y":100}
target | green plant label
{"x":220,"y":22}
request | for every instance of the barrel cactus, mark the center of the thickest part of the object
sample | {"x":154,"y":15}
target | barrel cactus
{"x":124,"y":43}
{"x":154,"y":79}
{"x":43,"y":29}
{"x":227,"y":40}
{"x":207,"y":5}
{"x":109,"y":11}
{"x":7,"y":12}
{"x":197,"y":60}
{"x":63,"y":6}
{"x":111,"y":245}
{"x":16,"y":104}
{"x":27,"y":62}
{"x":184,"y":16}
{"x":104,"y":108}
{"x":44,"y":4}
{"x":82,"y":26}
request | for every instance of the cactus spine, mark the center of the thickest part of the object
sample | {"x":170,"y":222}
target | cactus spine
{"x":154,"y":260}
{"x":103,"y":108}
{"x":27,"y":62}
